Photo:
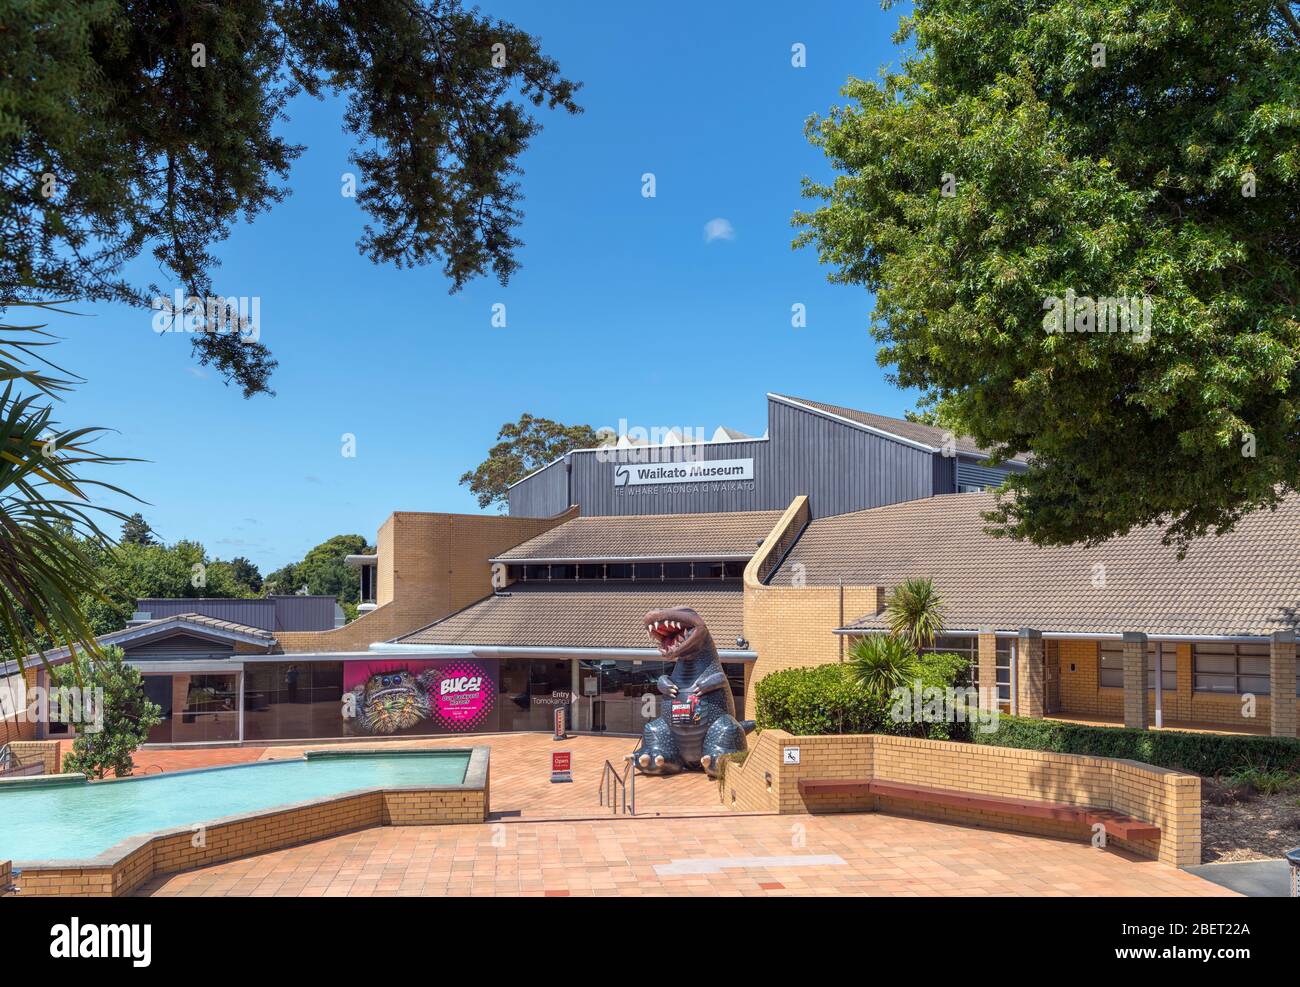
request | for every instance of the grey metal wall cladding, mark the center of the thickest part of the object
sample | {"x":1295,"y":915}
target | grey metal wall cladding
{"x":544,"y":494}
{"x":945,"y":474}
{"x":303,"y":613}
{"x":177,"y":647}
{"x":277,"y":613}
{"x":841,"y":468}
{"x":970,"y":473}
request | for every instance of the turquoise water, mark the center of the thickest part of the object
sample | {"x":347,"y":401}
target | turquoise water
{"x":71,"y":821}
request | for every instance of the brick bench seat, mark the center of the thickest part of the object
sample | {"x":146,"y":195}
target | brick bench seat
{"x":1115,"y":823}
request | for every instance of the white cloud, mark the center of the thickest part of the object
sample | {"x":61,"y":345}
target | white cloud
{"x":718,"y":229}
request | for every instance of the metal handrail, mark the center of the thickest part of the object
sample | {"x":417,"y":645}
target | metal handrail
{"x":613,"y":784}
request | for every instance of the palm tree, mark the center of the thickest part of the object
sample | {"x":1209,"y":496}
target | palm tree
{"x":915,"y":612}
{"x":883,"y":663}
{"x":48,"y":529}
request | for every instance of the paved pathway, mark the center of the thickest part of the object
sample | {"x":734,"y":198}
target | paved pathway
{"x":861,"y":854}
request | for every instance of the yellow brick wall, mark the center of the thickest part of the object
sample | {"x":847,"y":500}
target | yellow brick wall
{"x":45,"y":751}
{"x":1083,"y":695}
{"x":255,"y":834}
{"x":792,"y":627}
{"x":1165,"y":798}
{"x":429,"y":565}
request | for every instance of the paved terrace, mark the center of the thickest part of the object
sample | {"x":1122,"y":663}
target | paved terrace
{"x":867,"y":854}
{"x":553,"y":840}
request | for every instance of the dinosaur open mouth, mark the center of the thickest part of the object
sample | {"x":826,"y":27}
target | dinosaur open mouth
{"x":669,"y":635}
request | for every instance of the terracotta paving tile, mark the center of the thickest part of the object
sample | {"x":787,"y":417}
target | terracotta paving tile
{"x":617,"y":857}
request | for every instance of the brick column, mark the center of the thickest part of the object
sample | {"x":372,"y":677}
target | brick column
{"x":988,"y":662}
{"x":1135,"y":680}
{"x":1031,"y":683}
{"x":1281,"y":684}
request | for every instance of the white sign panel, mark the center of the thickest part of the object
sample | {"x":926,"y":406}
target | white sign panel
{"x":640,"y":474}
{"x":791,"y":755}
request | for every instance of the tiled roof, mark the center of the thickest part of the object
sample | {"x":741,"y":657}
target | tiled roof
{"x":227,"y":629}
{"x":582,"y":617}
{"x":926,"y":435}
{"x":1246,"y":582}
{"x":696,"y":536}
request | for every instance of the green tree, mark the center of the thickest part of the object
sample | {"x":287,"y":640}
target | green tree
{"x":136,"y":531}
{"x":127,"y":713}
{"x":49,"y":531}
{"x":525,"y":446}
{"x":246,"y":576}
{"x":1147,"y":150}
{"x":324,"y":571}
{"x":915,"y":612}
{"x":882,"y":663}
{"x":133,"y":127}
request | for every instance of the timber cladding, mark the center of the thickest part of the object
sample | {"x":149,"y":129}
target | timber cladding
{"x":1168,"y":799}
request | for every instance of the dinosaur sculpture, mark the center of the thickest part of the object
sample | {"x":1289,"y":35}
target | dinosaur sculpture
{"x":698,"y":723}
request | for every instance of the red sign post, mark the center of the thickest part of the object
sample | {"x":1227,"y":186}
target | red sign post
{"x":561,"y":764}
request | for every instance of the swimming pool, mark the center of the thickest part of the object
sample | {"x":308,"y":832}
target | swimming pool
{"x":48,"y":820}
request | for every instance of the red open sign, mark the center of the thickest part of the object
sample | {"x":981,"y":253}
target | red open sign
{"x":559,"y":761}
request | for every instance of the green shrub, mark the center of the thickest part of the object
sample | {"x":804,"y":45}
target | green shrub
{"x":882,"y":663}
{"x":829,"y":699}
{"x":1201,"y":753}
{"x":819,"y":700}
{"x":1266,"y":781}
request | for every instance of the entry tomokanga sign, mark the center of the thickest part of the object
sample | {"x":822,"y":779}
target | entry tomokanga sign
{"x":641,"y":474}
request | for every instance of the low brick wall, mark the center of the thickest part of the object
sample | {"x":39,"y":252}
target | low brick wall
{"x":1165,"y":798}
{"x":45,"y":751}
{"x":126,"y":866}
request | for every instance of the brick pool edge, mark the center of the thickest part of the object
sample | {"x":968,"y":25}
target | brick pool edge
{"x":125,"y":866}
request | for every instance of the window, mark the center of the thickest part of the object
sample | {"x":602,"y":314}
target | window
{"x":537,"y":572}
{"x":618,"y":570}
{"x":591,"y":572}
{"x":708,"y":570}
{"x":563,"y":572}
{"x":368,"y":583}
{"x":1004,"y":668}
{"x":967,"y":647}
{"x":1220,"y":666}
{"x":677,"y":570}
{"x":733,"y":570}
{"x":12,"y":696}
{"x":648,"y":570}
{"x":1112,"y":665}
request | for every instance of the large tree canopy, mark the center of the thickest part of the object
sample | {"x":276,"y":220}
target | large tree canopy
{"x":1146,"y":150}
{"x":524,"y":447}
{"x":150,"y":125}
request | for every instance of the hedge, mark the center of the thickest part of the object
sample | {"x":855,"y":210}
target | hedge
{"x":827,"y":699}
{"x":1201,"y":753}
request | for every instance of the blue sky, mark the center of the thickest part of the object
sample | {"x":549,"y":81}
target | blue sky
{"x":623,"y":309}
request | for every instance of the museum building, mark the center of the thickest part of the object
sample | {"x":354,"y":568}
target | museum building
{"x":787,"y":545}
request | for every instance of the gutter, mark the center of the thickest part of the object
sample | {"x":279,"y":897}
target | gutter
{"x":509,"y":651}
{"x":1077,"y":635}
{"x":579,"y":560}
